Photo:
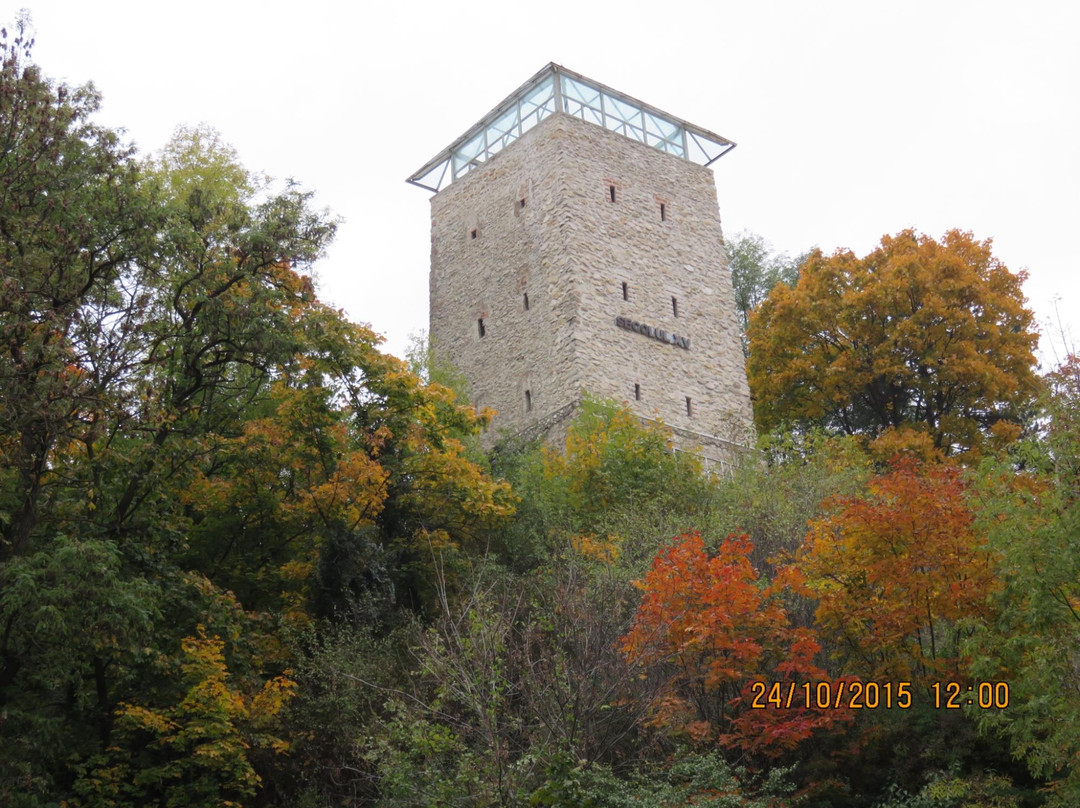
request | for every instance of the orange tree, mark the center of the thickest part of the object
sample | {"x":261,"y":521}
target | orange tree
{"x":919,"y":334}
{"x":709,"y":630}
{"x":894,"y":571}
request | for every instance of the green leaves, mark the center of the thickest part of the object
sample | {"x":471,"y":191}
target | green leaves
{"x":185,"y":431}
{"x":1033,"y":524}
{"x":72,"y":222}
{"x":755,"y":270}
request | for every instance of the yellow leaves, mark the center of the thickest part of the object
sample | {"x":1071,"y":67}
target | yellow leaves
{"x":269,"y":703}
{"x":924,"y":334}
{"x":904,"y":441}
{"x":311,"y":461}
{"x":297,"y":570}
{"x":299,"y":465}
{"x":1003,"y":433}
{"x":353,"y":494}
{"x":454,"y":491}
{"x":604,"y":550}
{"x":144,"y":718}
{"x":199,"y":744}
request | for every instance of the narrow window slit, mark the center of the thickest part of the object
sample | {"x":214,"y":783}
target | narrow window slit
{"x":526,"y":301}
{"x":611,"y":191}
{"x":625,"y":292}
{"x":472,"y":233}
{"x":689,"y":408}
{"x":663,"y":213}
{"x":675,"y":306}
{"x":528,"y":401}
{"x":637,"y":392}
{"x":480,"y":326}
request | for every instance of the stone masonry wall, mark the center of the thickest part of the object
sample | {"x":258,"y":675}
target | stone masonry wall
{"x":539,"y":219}
{"x":487,"y":253}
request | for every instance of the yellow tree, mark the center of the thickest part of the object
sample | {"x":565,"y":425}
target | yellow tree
{"x":918,"y":335}
{"x":194,"y":752}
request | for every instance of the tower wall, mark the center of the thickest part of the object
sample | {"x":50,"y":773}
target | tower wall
{"x":571,"y":249}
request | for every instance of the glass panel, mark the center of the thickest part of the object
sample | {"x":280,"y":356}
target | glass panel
{"x":434,"y":178}
{"x":661,"y":127}
{"x":670,"y":148}
{"x":530,"y":122}
{"x":538,"y":98}
{"x":583,"y":93}
{"x":623,"y":118}
{"x":582,"y":99}
{"x":620,"y":109}
{"x":702,"y":149}
{"x":663,"y":134}
{"x":503,"y":131}
{"x":537,"y":104}
{"x":507,"y":122}
{"x":538,"y":114}
{"x":472,"y":151}
{"x":497,"y":145}
{"x":579,"y":110}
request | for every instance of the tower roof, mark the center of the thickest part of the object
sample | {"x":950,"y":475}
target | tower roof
{"x":556,"y":89}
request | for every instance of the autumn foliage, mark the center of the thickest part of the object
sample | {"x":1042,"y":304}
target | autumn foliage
{"x":894,"y":570}
{"x":919,"y":334}
{"x":709,"y":627}
{"x":194,"y":452}
{"x":247,"y":558}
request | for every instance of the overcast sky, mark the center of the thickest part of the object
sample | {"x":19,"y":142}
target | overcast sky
{"x":853,"y":119}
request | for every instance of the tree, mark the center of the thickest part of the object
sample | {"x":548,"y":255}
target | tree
{"x":709,"y":629}
{"x":1032,"y":519}
{"x":72,"y":221}
{"x":188,"y":437}
{"x":895,"y":570}
{"x":195,"y":752}
{"x":755,"y":270}
{"x":613,"y":477}
{"x":925,"y":335}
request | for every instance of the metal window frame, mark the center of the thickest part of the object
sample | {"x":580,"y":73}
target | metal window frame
{"x":698,"y":145}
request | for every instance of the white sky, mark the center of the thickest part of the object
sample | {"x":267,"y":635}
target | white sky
{"x":853,"y":119}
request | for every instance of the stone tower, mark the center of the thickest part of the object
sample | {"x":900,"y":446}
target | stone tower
{"x":576,"y":248}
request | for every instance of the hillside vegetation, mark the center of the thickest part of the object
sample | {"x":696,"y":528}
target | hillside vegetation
{"x":247,"y":558}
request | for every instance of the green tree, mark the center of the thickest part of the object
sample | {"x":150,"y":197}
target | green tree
{"x":920,"y":335}
{"x":73,"y":222}
{"x":1033,"y":522}
{"x":613,"y":475}
{"x":188,"y":438}
{"x":755,"y":270}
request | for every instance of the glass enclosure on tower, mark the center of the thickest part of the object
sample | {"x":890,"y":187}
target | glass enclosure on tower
{"x":556,"y":88}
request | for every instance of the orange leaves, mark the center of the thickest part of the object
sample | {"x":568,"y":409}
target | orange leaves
{"x":894,"y":570}
{"x":710,"y":626}
{"x":931,"y":336}
{"x":701,"y":610}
